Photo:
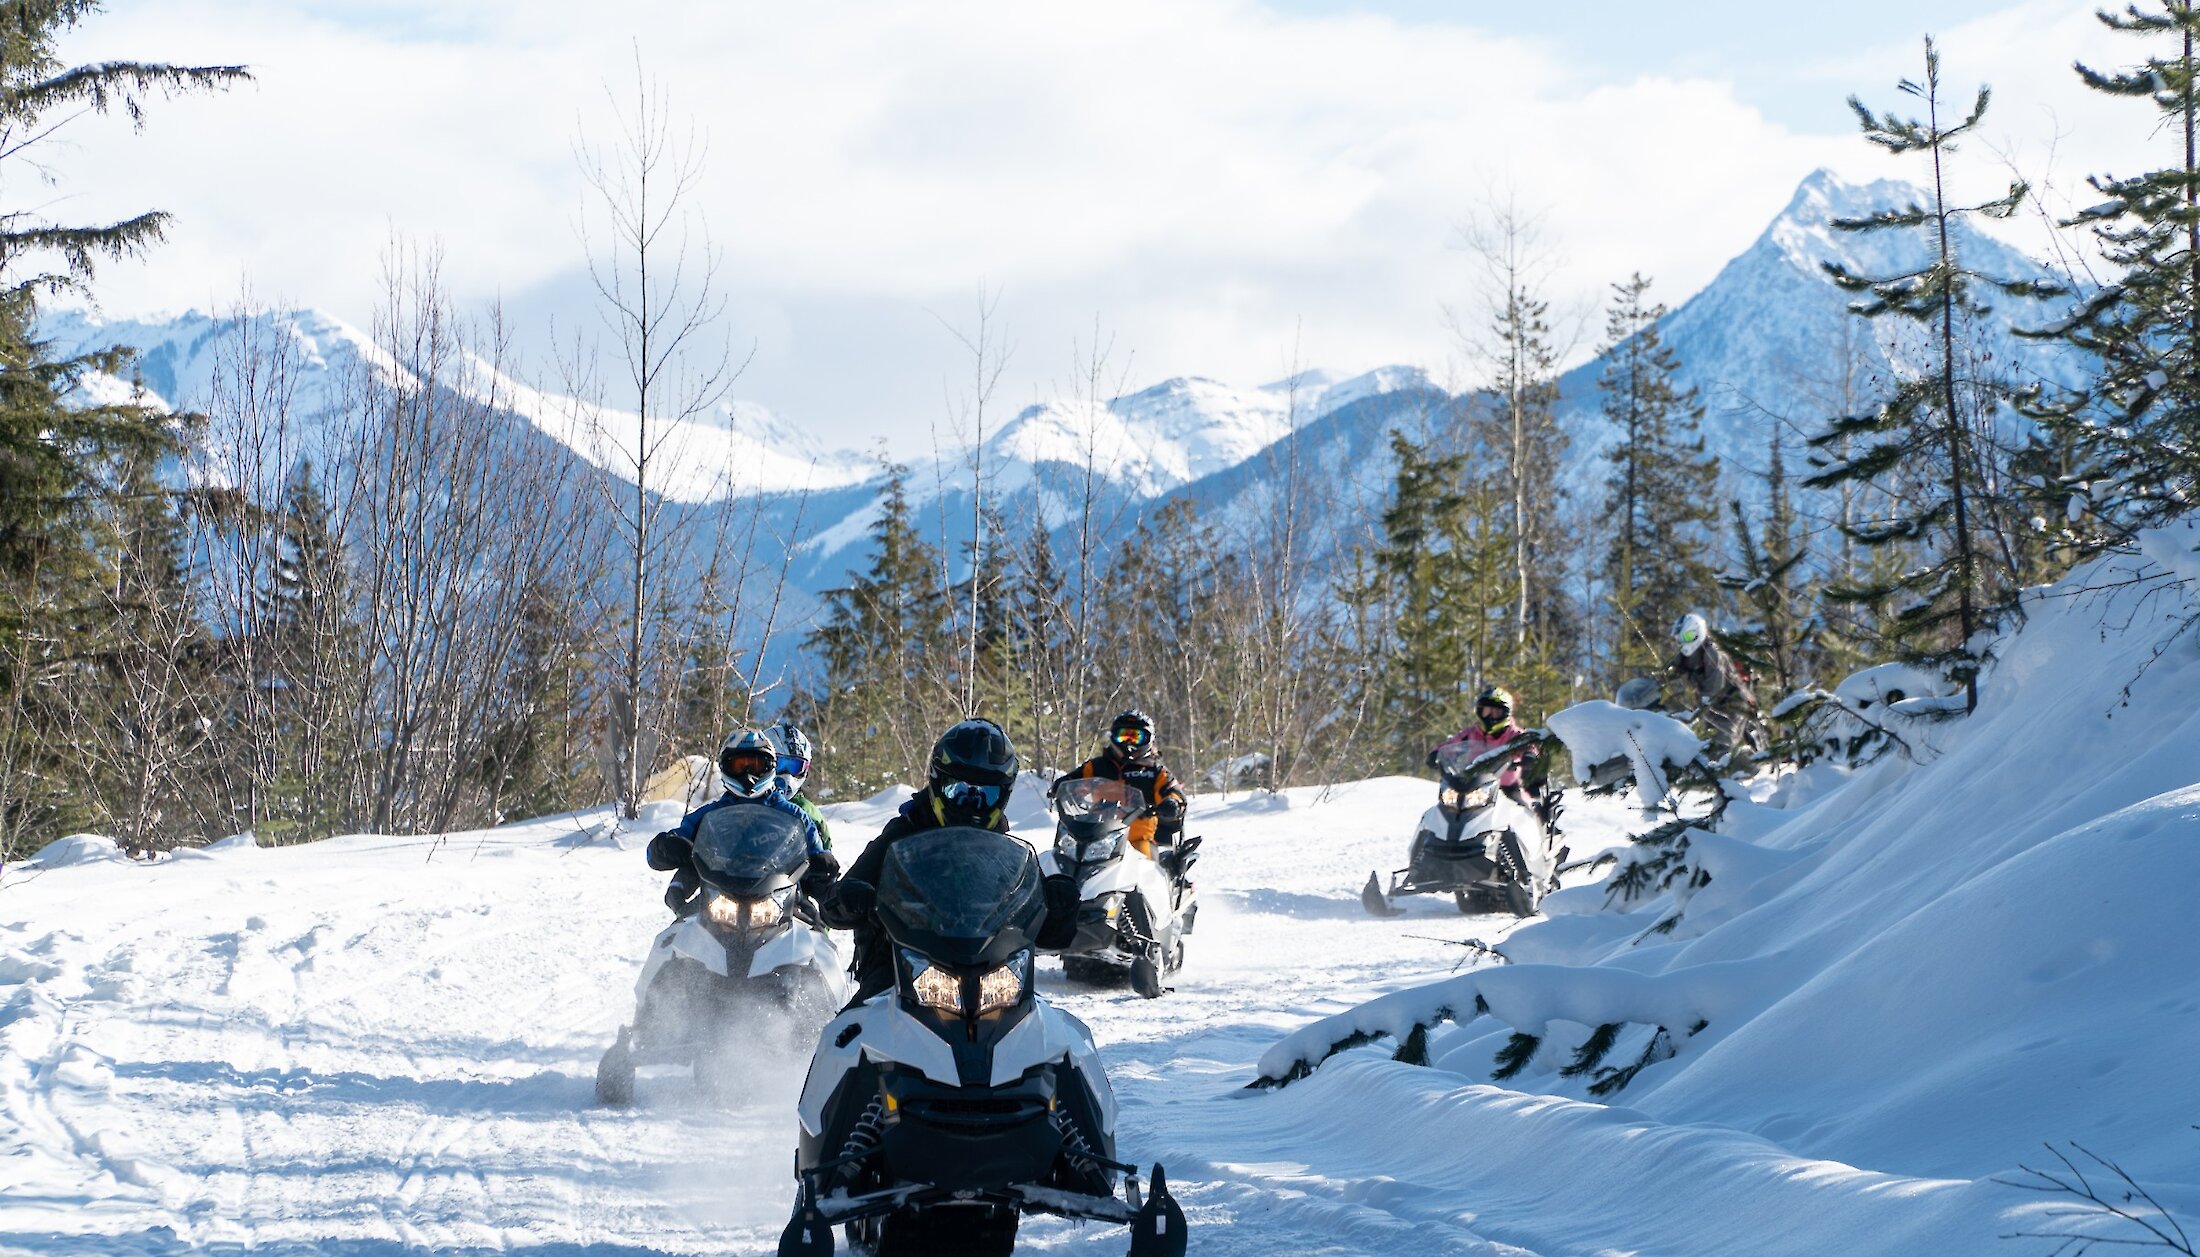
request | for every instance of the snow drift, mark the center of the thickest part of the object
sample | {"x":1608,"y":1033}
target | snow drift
{"x":1925,"y":967}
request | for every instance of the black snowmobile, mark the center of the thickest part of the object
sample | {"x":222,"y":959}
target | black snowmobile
{"x":1485,"y":848}
{"x":938,"y":1113}
{"x":751,"y":956}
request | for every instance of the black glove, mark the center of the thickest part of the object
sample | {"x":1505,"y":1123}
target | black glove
{"x":668,"y":851}
{"x":1059,"y":929}
{"x":677,"y":894}
{"x":854,"y":899}
{"x":1171,"y":809}
{"x":817,"y":880}
{"x":1432,"y":759}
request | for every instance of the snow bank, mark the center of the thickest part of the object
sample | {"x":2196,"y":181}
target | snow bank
{"x":1598,"y":731}
{"x":77,"y":849}
{"x":1925,"y":968}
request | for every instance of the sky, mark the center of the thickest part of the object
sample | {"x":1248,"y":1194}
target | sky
{"x":1225,"y":188}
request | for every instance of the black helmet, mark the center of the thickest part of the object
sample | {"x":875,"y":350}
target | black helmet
{"x":1131,"y":733}
{"x":972,"y":771}
{"x":1494,"y":696}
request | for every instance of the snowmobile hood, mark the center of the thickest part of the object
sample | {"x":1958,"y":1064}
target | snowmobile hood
{"x":744,"y":849}
{"x":961,"y":896}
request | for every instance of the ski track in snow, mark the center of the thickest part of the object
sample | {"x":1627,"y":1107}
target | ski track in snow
{"x":375,"y":1046}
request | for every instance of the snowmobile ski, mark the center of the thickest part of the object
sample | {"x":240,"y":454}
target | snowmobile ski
{"x":1373,"y":899}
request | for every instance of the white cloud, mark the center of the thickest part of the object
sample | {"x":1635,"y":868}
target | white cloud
{"x":1213,"y":179}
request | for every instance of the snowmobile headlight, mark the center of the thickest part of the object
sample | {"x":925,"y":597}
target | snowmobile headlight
{"x":733,"y":913}
{"x":1474,"y":800}
{"x":1002,"y":987}
{"x":723,"y":912}
{"x":933,"y":986}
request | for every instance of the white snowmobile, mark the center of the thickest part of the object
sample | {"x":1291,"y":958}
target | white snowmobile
{"x":938,"y":1113}
{"x":752,"y":955}
{"x":1491,"y":852}
{"x":1131,"y":915}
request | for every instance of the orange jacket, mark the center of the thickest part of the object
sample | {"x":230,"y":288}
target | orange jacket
{"x":1145,"y":774}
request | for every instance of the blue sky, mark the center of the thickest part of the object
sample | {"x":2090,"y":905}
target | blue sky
{"x":1226,"y":187}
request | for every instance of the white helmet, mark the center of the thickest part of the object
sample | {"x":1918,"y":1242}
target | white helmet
{"x":795,"y":751}
{"x":1691,"y":632}
{"x":748,"y":763}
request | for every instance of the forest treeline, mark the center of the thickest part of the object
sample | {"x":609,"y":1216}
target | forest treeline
{"x":394,"y":605}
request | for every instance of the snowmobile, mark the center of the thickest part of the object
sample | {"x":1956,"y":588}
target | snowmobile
{"x":1131,"y":916}
{"x":1490,"y":851}
{"x":752,"y":954}
{"x":1734,"y":740}
{"x":936,"y":1114}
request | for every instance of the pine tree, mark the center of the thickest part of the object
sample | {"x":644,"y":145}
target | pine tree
{"x":2125,"y":452}
{"x":1923,"y":431}
{"x":59,"y":459}
{"x":882,"y":635}
{"x":1772,"y":583}
{"x":1658,"y":497}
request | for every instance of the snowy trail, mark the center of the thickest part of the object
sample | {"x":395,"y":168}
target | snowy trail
{"x":375,"y":1046}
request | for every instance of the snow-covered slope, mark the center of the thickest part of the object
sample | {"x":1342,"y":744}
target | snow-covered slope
{"x":1923,"y":970}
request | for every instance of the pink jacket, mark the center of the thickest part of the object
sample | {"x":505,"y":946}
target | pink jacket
{"x":1480,"y":742}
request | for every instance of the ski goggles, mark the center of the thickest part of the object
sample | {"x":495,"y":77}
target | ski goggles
{"x":1690,"y":637}
{"x":1131,"y":737}
{"x":793,"y":766}
{"x":747,"y":763}
{"x":971,"y":796}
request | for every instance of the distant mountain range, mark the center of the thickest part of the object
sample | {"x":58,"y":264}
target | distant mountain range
{"x":1769,"y":344}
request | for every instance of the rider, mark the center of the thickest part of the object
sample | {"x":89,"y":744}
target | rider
{"x":795,"y":750}
{"x":1493,"y":727}
{"x":971,"y":774}
{"x":747,"y":767}
{"x":1723,"y":695}
{"x":1132,"y":759}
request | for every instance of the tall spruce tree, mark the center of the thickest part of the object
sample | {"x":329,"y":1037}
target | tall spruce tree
{"x":1658,"y":497}
{"x":1924,"y":431}
{"x":61,"y":456}
{"x":2125,"y":451}
{"x":883,"y":638}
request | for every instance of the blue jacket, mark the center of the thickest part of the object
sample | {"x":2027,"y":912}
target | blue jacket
{"x":776,"y":797}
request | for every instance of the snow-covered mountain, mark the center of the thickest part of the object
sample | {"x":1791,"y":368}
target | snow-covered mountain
{"x":188,"y":361}
{"x":1770,"y":344}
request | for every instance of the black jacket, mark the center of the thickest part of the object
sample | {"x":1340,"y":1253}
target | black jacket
{"x":874,"y":958}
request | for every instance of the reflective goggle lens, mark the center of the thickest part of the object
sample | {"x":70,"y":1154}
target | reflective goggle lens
{"x":969,"y":794}
{"x":1131,"y":737}
{"x":794,"y":766}
{"x":746,"y":763}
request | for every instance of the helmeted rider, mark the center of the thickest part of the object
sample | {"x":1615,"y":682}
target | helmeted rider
{"x":795,"y":754}
{"x":1493,"y":727}
{"x":968,"y":780}
{"x":1723,"y":693}
{"x":1132,"y":758}
{"x":748,"y":766}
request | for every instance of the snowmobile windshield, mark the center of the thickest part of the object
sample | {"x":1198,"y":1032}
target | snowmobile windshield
{"x":961,"y":895}
{"x":1460,"y":762}
{"x":746,"y":844}
{"x":1098,"y":800}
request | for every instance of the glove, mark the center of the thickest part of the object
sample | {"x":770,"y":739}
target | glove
{"x":1171,"y":809}
{"x":1432,"y":759}
{"x":668,"y":851}
{"x":854,"y":898}
{"x":1059,"y":929}
{"x":677,"y":894}
{"x":817,"y":880}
